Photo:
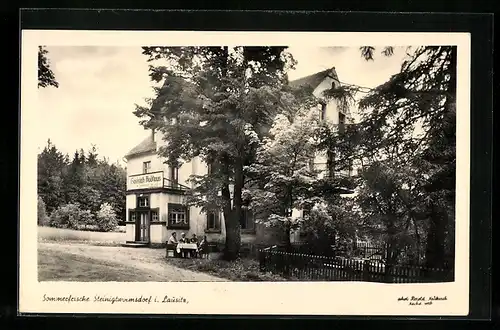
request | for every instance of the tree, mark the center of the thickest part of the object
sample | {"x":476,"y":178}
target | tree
{"x":43,"y":219}
{"x":71,"y":216}
{"x":51,"y":164}
{"x":46,"y":76}
{"x":410,"y":122}
{"x":106,"y":218}
{"x":74,"y":179}
{"x":283,"y":174}
{"x":111,"y":183}
{"x":389,"y":198}
{"x":212,"y":102}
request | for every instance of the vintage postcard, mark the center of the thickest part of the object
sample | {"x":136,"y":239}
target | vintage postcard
{"x":260,"y":173}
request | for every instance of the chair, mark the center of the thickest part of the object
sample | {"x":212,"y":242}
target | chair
{"x":171,"y":250}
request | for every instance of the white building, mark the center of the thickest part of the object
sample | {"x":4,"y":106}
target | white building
{"x":156,"y":192}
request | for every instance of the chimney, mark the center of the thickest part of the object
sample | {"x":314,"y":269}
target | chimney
{"x":334,"y":73}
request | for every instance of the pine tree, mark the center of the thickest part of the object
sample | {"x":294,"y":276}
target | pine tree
{"x":409,"y":124}
{"x":51,"y":164}
{"x":45,"y":74}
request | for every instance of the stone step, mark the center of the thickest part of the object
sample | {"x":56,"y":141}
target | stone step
{"x":135,"y":244}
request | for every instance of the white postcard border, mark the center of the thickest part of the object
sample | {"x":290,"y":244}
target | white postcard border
{"x":297,"y":298}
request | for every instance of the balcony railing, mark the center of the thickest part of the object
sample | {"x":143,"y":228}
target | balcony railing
{"x":170,"y":184}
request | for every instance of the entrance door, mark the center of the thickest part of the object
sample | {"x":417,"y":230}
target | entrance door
{"x":142,"y":227}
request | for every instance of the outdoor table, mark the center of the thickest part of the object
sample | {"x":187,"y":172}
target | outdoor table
{"x":187,"y":246}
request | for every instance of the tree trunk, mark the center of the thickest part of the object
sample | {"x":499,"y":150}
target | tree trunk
{"x":233,"y":238}
{"x":391,"y":251}
{"x":436,"y":236}
{"x":435,"y":250}
{"x":233,"y":232}
{"x":286,"y":238}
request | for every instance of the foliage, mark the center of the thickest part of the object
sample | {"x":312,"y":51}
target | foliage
{"x":283,"y":175}
{"x":46,"y":76}
{"x":51,"y":164}
{"x":240,"y":270}
{"x":405,"y":144}
{"x":86,"y":180}
{"x":106,"y":218}
{"x":391,"y":206}
{"x":215,"y":103}
{"x":71,"y":216}
{"x":43,"y":219}
{"x":368,"y":52}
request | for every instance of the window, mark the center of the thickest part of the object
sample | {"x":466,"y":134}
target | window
{"x":132,"y":216}
{"x":311,"y":164}
{"x":341,"y":122}
{"x":146,"y":167}
{"x":143,"y":201}
{"x":322,"y":114}
{"x":178,"y":216}
{"x":247,"y":221}
{"x":330,"y":164}
{"x":211,"y":167}
{"x":174,"y":174}
{"x":213,"y":221}
{"x":154,"y":216}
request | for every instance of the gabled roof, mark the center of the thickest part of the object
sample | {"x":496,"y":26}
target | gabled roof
{"x":147,"y":145}
{"x":314,"y":79}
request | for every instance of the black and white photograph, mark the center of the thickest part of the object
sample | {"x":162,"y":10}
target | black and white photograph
{"x":246,"y":162}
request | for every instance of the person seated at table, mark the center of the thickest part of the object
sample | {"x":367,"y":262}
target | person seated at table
{"x":183,"y":238}
{"x":173,"y":239}
{"x":203,"y":246}
{"x":194,"y":239}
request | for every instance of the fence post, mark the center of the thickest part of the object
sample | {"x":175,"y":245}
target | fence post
{"x":366,"y":271}
{"x":262,"y":260}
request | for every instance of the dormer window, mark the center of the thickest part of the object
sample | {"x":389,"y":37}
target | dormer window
{"x":146,"y":167}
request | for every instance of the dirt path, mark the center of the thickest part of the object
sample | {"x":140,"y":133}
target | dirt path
{"x":149,"y":263}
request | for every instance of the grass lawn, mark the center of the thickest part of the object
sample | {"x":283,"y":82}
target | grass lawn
{"x":88,"y":237}
{"x":61,"y":266}
{"x":241,"y":270}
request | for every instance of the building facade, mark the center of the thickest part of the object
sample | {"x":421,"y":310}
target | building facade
{"x":156,"y":192}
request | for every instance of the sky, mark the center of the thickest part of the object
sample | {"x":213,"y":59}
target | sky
{"x":99,"y":87}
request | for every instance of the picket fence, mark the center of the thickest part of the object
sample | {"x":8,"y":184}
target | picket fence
{"x":321,"y":268}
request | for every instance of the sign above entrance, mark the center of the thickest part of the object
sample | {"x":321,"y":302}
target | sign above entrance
{"x":145,"y":181}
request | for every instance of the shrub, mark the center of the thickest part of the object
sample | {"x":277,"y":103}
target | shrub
{"x":106,"y":218}
{"x":43,"y":219}
{"x":70,"y":216}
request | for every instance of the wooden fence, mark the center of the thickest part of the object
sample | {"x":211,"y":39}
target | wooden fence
{"x":320,"y":268}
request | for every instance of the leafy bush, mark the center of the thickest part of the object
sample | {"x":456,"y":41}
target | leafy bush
{"x":106,"y":219}
{"x":70,"y":216}
{"x":43,"y":218}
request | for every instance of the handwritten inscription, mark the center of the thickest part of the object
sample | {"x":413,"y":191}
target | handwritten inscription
{"x":115,"y":299}
{"x":421,"y":300}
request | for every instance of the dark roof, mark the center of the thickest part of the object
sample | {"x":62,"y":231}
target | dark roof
{"x":147,"y":145}
{"x":313,"y":80}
